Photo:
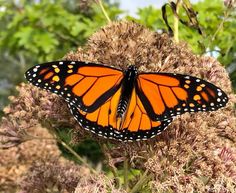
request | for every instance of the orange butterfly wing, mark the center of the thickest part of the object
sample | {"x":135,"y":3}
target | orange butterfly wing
{"x":85,"y":85}
{"x":136,"y":124}
{"x":165,"y":95}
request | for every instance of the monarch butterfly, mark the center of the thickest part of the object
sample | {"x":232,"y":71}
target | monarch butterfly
{"x":125,"y":105}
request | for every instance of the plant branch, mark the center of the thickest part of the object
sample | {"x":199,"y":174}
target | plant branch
{"x":126,"y":168}
{"x":105,"y":149}
{"x":140,"y":183}
{"x":226,"y":14}
{"x":103,"y":10}
{"x":75,"y":154}
{"x":31,"y":137}
{"x":57,"y":138}
{"x":176,"y":22}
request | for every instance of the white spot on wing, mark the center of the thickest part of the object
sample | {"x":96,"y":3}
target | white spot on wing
{"x":186,"y":77}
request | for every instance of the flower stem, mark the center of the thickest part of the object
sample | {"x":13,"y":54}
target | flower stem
{"x":126,"y":168}
{"x":103,"y":10}
{"x":140,"y":183}
{"x":113,"y":169}
{"x":52,"y":130}
{"x":76,"y":155}
{"x":220,"y":26}
{"x":176,"y":22}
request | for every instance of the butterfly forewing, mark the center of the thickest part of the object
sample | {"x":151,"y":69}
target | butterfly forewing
{"x":85,"y":85}
{"x":165,"y":95}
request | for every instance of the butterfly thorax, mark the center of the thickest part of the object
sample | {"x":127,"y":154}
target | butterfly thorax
{"x":127,"y":88}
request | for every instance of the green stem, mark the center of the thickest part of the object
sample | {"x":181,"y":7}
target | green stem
{"x":76,"y":155}
{"x":103,"y":10}
{"x":113,"y":169}
{"x":140,"y":183}
{"x":176,"y":22}
{"x":126,"y":168}
{"x":53,"y":132}
{"x":220,"y":26}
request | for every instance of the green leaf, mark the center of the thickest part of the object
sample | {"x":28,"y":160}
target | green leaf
{"x":45,"y":41}
{"x":77,"y":28}
{"x":24,"y":35}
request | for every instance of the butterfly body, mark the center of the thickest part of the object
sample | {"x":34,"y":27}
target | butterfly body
{"x":127,"y":88}
{"x":125,"y":105}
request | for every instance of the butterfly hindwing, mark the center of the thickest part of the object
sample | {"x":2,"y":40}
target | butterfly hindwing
{"x":165,"y":95}
{"x":85,"y":85}
{"x":136,"y":124}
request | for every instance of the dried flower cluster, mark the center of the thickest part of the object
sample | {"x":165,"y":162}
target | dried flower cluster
{"x":52,"y":176}
{"x":196,"y":153}
{"x":191,"y":147}
{"x":97,"y":183}
{"x":230,"y":4}
{"x":84,"y":5}
{"x":15,"y":161}
{"x":21,"y":124}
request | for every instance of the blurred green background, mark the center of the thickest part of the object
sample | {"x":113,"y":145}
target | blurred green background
{"x":36,"y":31}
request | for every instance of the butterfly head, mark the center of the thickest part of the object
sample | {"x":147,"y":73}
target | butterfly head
{"x":132,"y":68}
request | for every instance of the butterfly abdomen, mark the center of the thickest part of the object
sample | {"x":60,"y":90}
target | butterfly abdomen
{"x":122,"y":106}
{"x":127,"y":88}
